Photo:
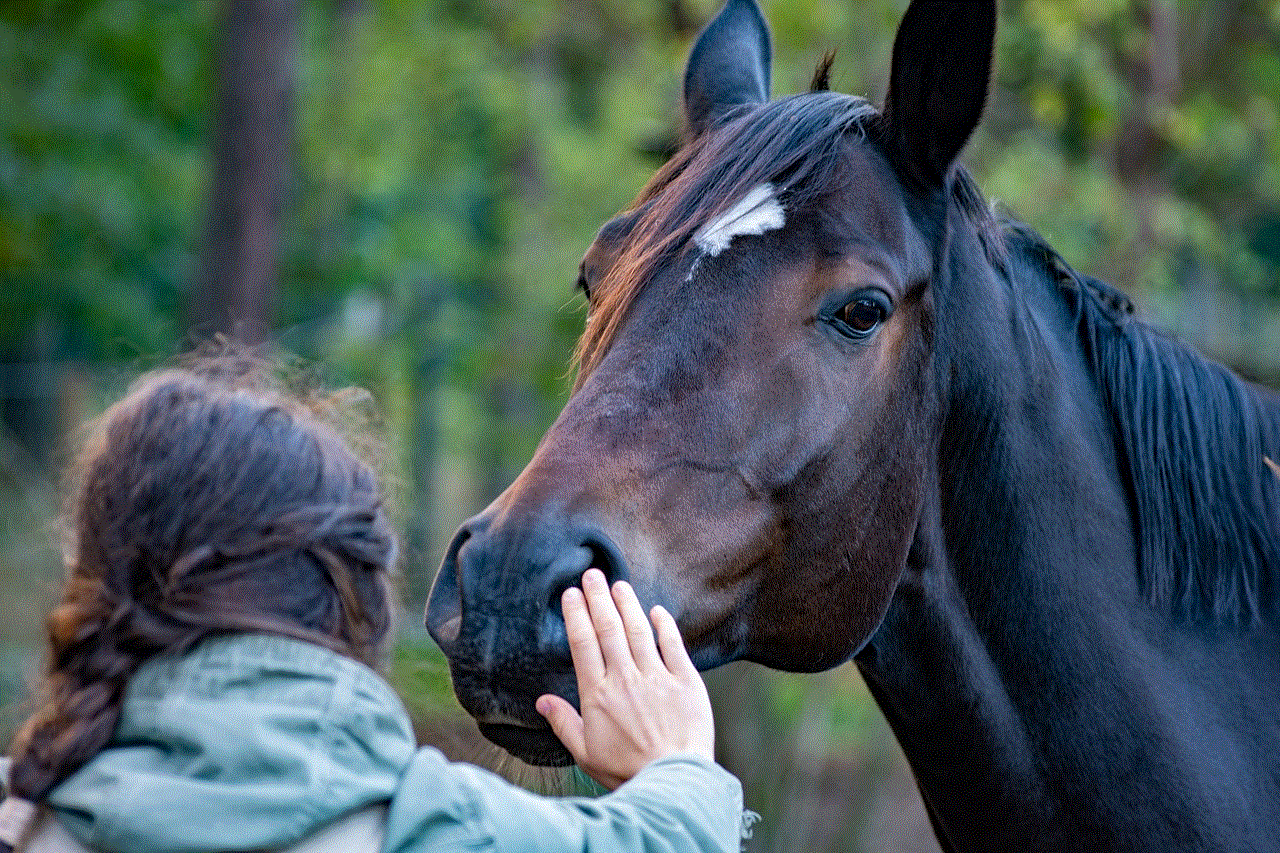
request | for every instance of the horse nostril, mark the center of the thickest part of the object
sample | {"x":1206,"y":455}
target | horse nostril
{"x":596,"y":552}
{"x":443,"y":616}
{"x":567,"y":571}
{"x":564,"y":573}
{"x":606,"y":558}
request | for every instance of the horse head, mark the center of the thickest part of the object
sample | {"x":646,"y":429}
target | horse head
{"x":749,"y":437}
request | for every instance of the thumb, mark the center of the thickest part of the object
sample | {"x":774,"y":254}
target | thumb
{"x":565,"y":722}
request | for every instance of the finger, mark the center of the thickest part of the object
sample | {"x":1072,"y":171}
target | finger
{"x":607,"y":622}
{"x":566,"y":722}
{"x":583,"y":646}
{"x":639,"y":633}
{"x":671,"y":644}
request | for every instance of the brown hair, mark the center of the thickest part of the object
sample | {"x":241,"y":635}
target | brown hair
{"x":203,"y":503}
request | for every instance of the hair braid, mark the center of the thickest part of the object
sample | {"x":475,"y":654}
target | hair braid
{"x":200,"y":508}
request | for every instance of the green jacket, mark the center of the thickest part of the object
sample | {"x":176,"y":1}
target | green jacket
{"x":256,"y":742}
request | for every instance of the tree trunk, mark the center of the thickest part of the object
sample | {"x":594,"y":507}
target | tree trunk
{"x":234,"y":292}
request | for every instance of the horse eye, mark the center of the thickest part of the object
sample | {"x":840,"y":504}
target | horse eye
{"x":862,"y":314}
{"x":583,"y":284}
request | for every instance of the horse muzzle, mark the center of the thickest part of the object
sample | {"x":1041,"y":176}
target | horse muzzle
{"x":494,"y":610}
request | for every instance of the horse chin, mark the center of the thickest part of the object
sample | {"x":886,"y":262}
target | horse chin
{"x":537,"y":746}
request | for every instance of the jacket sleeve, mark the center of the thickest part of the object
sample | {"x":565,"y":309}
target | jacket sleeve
{"x":681,"y":804}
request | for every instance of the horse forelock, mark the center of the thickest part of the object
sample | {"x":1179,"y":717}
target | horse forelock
{"x":793,"y":145}
{"x":790,"y":145}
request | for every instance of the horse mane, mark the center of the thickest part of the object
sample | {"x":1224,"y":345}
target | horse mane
{"x":792,"y":142}
{"x":1192,"y":439}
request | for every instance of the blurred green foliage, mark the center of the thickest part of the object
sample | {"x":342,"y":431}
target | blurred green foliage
{"x":452,"y":161}
{"x":102,"y":127}
{"x":454,"y":158}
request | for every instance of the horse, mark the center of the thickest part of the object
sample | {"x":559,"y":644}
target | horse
{"x":829,"y":406}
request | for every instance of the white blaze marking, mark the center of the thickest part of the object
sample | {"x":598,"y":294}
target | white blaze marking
{"x":757,"y":213}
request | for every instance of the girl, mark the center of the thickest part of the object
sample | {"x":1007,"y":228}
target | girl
{"x":210,"y":683}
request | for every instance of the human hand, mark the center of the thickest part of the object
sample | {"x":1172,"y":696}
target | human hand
{"x":636,"y":705}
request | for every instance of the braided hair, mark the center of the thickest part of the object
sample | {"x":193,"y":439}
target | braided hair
{"x":199,"y":508}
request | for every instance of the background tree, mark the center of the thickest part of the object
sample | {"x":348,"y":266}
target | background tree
{"x":253,"y":132}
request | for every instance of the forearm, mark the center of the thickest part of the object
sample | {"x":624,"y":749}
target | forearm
{"x":681,"y":804}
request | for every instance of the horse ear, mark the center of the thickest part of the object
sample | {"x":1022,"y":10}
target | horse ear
{"x":938,"y":84}
{"x":729,"y":66}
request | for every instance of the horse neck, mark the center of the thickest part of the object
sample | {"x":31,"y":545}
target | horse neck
{"x":1026,"y":473}
{"x":1018,"y":631}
